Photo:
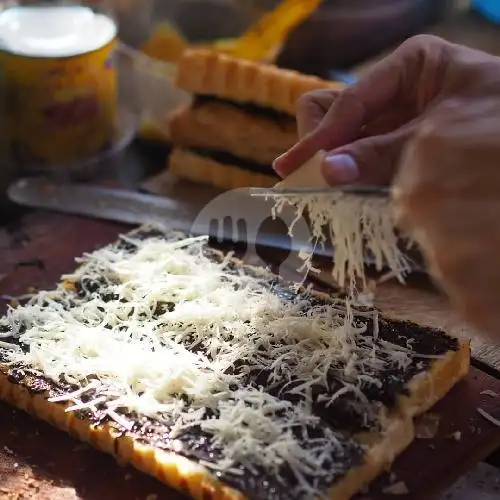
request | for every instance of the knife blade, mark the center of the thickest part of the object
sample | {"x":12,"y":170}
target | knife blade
{"x":349,"y":189}
{"x":133,"y":208}
{"x":118,"y":205}
{"x":190,"y":216}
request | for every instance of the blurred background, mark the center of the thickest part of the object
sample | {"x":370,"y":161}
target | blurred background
{"x":333,"y":39}
{"x":331,"y":34}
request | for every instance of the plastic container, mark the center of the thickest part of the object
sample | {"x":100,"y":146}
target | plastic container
{"x":104,"y":164}
{"x":63,"y":116}
{"x":147,"y":87}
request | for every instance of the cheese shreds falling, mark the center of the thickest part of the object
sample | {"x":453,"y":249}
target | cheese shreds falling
{"x":357,"y":227}
{"x":161,"y":329}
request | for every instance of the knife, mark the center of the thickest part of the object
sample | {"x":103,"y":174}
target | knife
{"x":349,"y":189}
{"x":196,"y":217}
{"x":193,"y":216}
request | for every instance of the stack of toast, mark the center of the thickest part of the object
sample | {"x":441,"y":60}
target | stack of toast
{"x":242,"y":117}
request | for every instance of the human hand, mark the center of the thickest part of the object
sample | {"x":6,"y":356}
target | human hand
{"x":447,"y":194}
{"x":365,"y":127}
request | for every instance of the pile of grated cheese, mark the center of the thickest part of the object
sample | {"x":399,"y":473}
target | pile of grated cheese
{"x":357,"y":227}
{"x":163,"y":332}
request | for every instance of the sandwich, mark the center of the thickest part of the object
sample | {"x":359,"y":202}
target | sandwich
{"x":242,"y":117}
{"x":220,"y":379}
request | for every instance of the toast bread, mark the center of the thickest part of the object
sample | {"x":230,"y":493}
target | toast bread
{"x":195,"y":167}
{"x":205,"y":72}
{"x":31,"y":393}
{"x":221,"y":126}
{"x":181,"y":473}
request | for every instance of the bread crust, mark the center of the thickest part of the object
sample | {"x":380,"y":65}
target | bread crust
{"x":174,"y":470}
{"x":203,"y":170}
{"x":189,"y":477}
{"x":206,"y":72}
{"x":183,"y":474}
{"x":224,"y":127}
{"x":427,"y":388}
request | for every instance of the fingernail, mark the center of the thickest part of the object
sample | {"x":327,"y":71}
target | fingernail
{"x":277,"y":164}
{"x":340,"y":168}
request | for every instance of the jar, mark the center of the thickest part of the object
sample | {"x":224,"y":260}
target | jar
{"x":57,"y":61}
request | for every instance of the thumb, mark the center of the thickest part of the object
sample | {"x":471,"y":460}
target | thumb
{"x":371,"y":160}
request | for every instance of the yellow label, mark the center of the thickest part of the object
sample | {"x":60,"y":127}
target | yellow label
{"x":60,"y":110}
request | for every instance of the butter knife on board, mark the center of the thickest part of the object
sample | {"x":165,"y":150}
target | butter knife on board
{"x":220,"y":218}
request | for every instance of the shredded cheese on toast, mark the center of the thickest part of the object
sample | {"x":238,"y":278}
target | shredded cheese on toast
{"x":162,"y":329}
{"x":356,"y":227}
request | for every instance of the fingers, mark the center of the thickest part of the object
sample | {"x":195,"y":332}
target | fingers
{"x":397,"y":116}
{"x":446,"y":193}
{"x":371,"y":160}
{"x":340,"y":125}
{"x":453,"y":154}
{"x":312,"y":108}
{"x":430,"y":166}
{"x":462,"y":246}
{"x":399,"y":74}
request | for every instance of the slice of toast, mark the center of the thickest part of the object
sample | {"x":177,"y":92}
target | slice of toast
{"x":185,"y":474}
{"x":424,"y":388}
{"x":221,"y":126}
{"x":439,"y":362}
{"x":204,"y":72}
{"x":195,"y":167}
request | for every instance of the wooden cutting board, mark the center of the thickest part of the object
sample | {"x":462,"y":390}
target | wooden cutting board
{"x":42,"y":463}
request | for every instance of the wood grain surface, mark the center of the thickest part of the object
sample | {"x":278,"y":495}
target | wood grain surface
{"x":42,"y":463}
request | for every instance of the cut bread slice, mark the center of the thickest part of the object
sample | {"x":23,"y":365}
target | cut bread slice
{"x":182,"y":473}
{"x":219,"y":125}
{"x":426,"y":387}
{"x":151,"y":260}
{"x":32,"y":395}
{"x":204,"y":72}
{"x":202,"y":169}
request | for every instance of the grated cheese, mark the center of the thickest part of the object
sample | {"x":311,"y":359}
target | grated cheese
{"x":493,"y":420}
{"x":130,"y":353}
{"x":398,"y":488}
{"x":489,"y":392}
{"x":356,"y":226}
{"x":427,"y":426}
